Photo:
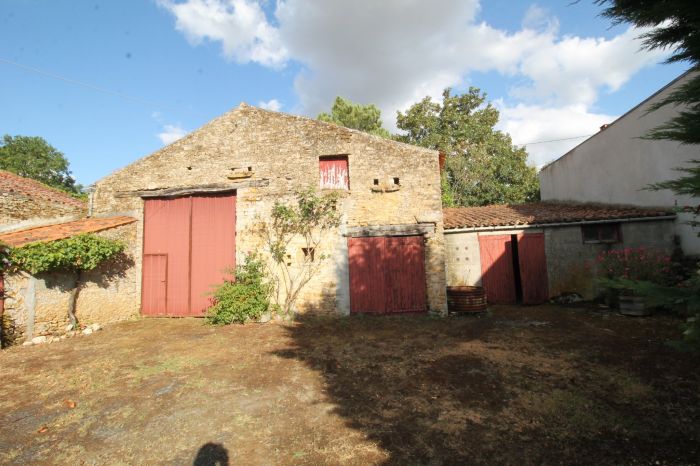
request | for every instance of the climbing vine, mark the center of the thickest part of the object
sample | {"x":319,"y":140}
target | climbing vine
{"x":79,"y":253}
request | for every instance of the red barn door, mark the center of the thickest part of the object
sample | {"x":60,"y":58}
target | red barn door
{"x":533,"y":268}
{"x":189,"y":242}
{"x":497,"y":275}
{"x":387,"y":274}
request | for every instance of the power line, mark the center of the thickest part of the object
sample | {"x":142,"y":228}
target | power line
{"x":554,"y":140}
{"x":84,"y":84}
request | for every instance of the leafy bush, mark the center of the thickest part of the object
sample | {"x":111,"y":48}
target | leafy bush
{"x":244,"y":298}
{"x":78,"y":253}
{"x":636,"y":264}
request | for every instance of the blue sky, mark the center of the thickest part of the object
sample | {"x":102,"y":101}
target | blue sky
{"x":555,"y":70}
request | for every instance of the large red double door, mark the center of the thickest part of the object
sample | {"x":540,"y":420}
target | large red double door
{"x":189,"y":244}
{"x":514,"y":268}
{"x":387,"y":274}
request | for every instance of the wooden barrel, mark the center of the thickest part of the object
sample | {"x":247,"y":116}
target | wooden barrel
{"x":466,"y":299}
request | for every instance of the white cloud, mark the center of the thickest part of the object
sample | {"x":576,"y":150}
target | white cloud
{"x":272,"y":104}
{"x":394,"y":52}
{"x":240,"y":26}
{"x":171,"y":133}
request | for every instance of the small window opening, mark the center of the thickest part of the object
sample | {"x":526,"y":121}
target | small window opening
{"x":396,"y":181}
{"x":309,"y":254}
{"x":601,"y":233}
{"x":376,"y":181}
{"x":250,"y":169}
{"x":334,"y":172}
{"x":189,"y":168}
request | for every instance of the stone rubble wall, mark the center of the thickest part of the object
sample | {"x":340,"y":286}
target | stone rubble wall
{"x":284,"y":150}
{"x":106,"y":295}
{"x":16,"y":207}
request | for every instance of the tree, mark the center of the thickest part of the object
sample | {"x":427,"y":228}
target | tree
{"x":33,"y":157}
{"x":674,"y":24}
{"x":365,"y":118}
{"x":304,"y":223}
{"x":482,"y":166}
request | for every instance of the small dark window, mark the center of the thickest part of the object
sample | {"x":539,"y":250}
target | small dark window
{"x":601,"y":233}
{"x":309,"y":254}
{"x":376,"y":181}
{"x":396,"y":181}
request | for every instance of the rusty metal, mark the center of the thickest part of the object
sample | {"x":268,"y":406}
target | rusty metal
{"x":466,"y":299}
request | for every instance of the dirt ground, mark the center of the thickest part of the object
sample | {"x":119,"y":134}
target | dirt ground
{"x":535,"y":385}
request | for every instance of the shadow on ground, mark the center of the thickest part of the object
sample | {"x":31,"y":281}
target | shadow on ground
{"x":512,"y":387}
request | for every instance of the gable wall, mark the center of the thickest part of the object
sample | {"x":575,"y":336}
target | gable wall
{"x":284,"y":150}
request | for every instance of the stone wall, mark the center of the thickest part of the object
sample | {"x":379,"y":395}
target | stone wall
{"x":269,"y":157}
{"x":16,"y":207}
{"x":38,"y":305}
{"x":570,"y":261}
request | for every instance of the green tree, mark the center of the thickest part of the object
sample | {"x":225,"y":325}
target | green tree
{"x":365,"y":118}
{"x":482,"y":166}
{"x":33,"y":157}
{"x":674,"y":24}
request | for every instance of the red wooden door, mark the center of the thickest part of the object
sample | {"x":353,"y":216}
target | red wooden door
{"x":197,"y":234}
{"x":387,"y":274}
{"x":213,"y":247}
{"x":533,"y":268}
{"x":497,"y":275}
{"x":154,"y":288}
{"x":333,"y":172}
{"x":366,"y":274}
{"x":167,"y":231}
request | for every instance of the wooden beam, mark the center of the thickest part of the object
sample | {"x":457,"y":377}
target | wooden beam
{"x":199,"y":189}
{"x":391,"y":230}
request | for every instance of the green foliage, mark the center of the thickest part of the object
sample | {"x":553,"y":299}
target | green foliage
{"x":637,"y":264}
{"x":75,"y":254}
{"x":33,"y":157}
{"x":245,"y":298}
{"x":683,"y":298}
{"x":673,"y":24}
{"x":365,"y":118}
{"x":482,"y":166}
{"x":307,"y":222}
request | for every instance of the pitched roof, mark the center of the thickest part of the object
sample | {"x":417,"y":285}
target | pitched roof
{"x":62,"y":230}
{"x":541,"y":213}
{"x":9,"y":182}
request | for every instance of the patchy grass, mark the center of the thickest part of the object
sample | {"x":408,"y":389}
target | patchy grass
{"x":522,"y":385}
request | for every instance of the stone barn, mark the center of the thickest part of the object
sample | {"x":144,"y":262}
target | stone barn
{"x":188,"y":213}
{"x":532,"y":252}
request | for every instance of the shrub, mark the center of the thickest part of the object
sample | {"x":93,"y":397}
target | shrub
{"x":244,"y":298}
{"x":636,"y":264}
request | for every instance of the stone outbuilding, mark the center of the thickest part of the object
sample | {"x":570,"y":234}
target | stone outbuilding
{"x":25,"y":202}
{"x":196,"y":202}
{"x":532,"y":252}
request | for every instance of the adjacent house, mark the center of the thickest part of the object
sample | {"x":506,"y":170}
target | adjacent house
{"x":25,"y":202}
{"x":616,"y":164}
{"x":188,"y":212}
{"x":529,"y":253}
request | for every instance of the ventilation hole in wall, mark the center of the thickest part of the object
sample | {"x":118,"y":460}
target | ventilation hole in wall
{"x":376,"y":181}
{"x":396,"y":181}
{"x":189,"y":168}
{"x":250,"y":169}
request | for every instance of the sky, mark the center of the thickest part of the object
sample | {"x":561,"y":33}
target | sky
{"x":108,"y":82}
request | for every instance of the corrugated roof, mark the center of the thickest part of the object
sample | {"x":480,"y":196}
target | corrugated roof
{"x":541,"y":213}
{"x":62,"y":230}
{"x":10,"y":182}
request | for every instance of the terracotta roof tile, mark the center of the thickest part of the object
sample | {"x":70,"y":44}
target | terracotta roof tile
{"x":541,"y":213}
{"x":62,"y":230}
{"x":9,"y":182}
